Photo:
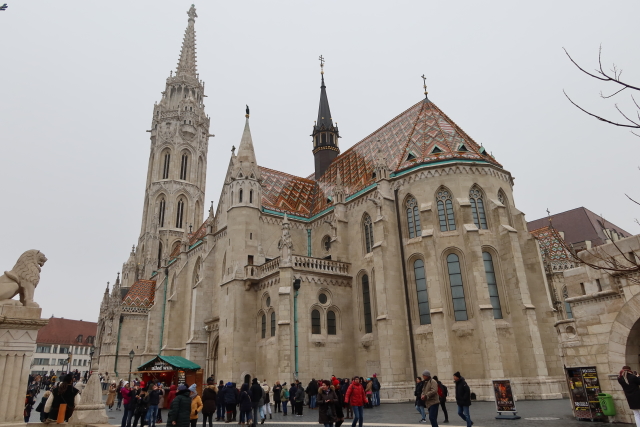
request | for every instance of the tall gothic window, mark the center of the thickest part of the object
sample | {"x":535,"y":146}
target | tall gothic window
{"x":161,"y":213}
{"x":413,"y":218}
{"x":240,"y":196}
{"x":273,"y":323}
{"x":179,"y":213}
{"x":477,"y":208}
{"x":567,"y":306}
{"x":251,"y":196}
{"x":368,"y":233}
{"x":366,"y":303}
{"x":492,"y":284}
{"x":264,"y":326}
{"x":183,"y":167}
{"x":421,"y":288}
{"x":331,"y":322}
{"x":159,"y":254}
{"x":445,"y":210}
{"x":315,"y":322}
{"x":457,"y":289}
{"x":167,"y":163}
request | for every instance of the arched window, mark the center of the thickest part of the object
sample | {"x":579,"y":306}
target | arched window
{"x":413,"y":218}
{"x":331,"y":322}
{"x":273,"y":323}
{"x":492,"y":283}
{"x":457,"y":289}
{"x":167,"y":163}
{"x":315,"y":322}
{"x":445,"y":210}
{"x":366,"y":302}
{"x":240,"y":196}
{"x":477,"y":208}
{"x":264,"y":326}
{"x":179,"y":213}
{"x":421,"y":288}
{"x":368,"y":233}
{"x":251,"y":196}
{"x":183,"y":167}
{"x":567,"y":306}
{"x":161,"y":213}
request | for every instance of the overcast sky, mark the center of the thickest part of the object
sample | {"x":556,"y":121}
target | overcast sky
{"x":79,"y":80}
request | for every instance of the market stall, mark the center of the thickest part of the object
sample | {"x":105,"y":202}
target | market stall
{"x":171,"y":370}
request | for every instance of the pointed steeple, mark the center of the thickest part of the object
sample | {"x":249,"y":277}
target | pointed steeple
{"x":187,"y":61}
{"x":325,"y":134}
{"x":245,"y":151}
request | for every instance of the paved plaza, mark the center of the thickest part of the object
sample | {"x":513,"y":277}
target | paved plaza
{"x":404,"y":414}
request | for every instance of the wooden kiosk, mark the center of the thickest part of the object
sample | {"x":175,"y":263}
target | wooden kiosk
{"x":171,"y":370}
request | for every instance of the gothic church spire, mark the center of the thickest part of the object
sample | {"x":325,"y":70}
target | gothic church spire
{"x":325,"y":134}
{"x":187,"y":61}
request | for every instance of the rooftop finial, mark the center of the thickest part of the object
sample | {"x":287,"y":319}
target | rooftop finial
{"x":321,"y":58}
{"x":424,"y":85}
{"x":187,"y":61}
{"x":247,"y":112}
{"x":192,"y":12}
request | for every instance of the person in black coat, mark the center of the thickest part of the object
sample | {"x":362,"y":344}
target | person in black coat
{"x":443,"y":398}
{"x":312,"y":391}
{"x":256,"y":393}
{"x":419,"y":402}
{"x":220,"y":402}
{"x":246,"y":405}
{"x":631,"y":386}
{"x":277,"y":389}
{"x":229,"y":396}
{"x":463,"y":398}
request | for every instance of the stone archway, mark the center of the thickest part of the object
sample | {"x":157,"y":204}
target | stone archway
{"x":624,"y":338}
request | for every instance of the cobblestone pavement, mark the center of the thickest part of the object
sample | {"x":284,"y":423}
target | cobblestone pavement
{"x":404,"y":414}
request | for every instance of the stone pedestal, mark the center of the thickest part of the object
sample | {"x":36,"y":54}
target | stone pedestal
{"x":91,"y":409}
{"x":18,"y":332}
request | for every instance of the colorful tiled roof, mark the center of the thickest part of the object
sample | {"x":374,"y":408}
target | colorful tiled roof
{"x":141,"y":294}
{"x":421,"y":134}
{"x":66,"y":332}
{"x":554,"y":254}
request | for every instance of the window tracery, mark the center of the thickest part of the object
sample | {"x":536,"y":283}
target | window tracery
{"x":413,"y":218}
{"x":445,"y":210}
{"x":477,"y":208}
{"x":368,"y":233}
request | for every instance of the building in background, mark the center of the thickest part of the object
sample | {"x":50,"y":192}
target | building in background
{"x":64,"y":345}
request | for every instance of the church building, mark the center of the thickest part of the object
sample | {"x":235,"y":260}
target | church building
{"x":404,"y":252}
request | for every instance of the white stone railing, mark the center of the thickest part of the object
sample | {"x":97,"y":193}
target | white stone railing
{"x":320,"y":265}
{"x":260,"y":271}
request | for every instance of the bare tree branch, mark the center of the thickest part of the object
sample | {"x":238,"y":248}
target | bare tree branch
{"x":598,"y":117}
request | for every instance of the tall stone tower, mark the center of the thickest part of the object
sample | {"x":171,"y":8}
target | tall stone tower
{"x":176,"y":178}
{"x":325,"y":135}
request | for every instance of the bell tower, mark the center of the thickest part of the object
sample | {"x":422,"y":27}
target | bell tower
{"x":176,"y":177}
{"x":325,"y":134}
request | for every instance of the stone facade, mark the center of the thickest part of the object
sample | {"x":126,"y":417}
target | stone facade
{"x":409,"y":248}
{"x":602,"y":329}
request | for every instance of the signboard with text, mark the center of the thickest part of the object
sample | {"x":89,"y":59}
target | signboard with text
{"x":584,"y":387}
{"x":504,"y":396}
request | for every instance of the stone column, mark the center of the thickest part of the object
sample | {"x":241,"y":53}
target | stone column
{"x":18,"y":332}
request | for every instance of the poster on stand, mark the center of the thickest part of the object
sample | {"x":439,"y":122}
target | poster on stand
{"x":504,"y":396}
{"x":584,"y":387}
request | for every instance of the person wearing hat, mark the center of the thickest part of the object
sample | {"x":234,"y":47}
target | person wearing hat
{"x":376,"y":390}
{"x":196,"y":405}
{"x":180,"y":411}
{"x":430,"y":397}
{"x":111,"y":396}
{"x":630,"y":385}
{"x":257,"y":400}
{"x":284,"y":398}
{"x":230,"y":400}
{"x":463,"y":398}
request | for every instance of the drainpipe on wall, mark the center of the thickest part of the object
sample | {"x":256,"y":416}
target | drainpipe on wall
{"x":406,"y":286}
{"x":115,"y":366}
{"x":296,"y":287}
{"x":164,"y":307}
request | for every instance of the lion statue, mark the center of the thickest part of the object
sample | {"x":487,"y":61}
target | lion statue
{"x":22,"y":280}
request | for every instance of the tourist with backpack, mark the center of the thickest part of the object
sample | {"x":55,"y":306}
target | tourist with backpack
{"x":430,"y":397}
{"x":376,"y":390}
{"x":284,"y":398}
{"x":443,"y":392}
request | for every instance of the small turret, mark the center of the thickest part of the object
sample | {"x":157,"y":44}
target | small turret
{"x":325,"y":134}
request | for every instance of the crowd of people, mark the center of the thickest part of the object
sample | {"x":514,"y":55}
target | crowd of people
{"x":47,"y":382}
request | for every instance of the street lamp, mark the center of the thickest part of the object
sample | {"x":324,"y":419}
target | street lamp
{"x":91,"y":353}
{"x":131,"y":355}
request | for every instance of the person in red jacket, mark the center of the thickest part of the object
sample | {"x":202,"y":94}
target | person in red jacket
{"x":172,"y":395}
{"x":356,"y":398}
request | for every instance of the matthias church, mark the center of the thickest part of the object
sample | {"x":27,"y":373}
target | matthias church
{"x":403,"y":252}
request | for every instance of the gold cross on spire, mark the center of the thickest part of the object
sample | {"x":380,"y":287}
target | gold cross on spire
{"x":424,"y":85}
{"x":321,"y":58}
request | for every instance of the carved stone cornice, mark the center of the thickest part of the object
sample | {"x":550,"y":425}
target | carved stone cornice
{"x":18,"y":323}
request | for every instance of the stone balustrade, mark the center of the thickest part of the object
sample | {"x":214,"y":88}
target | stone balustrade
{"x":320,"y":265}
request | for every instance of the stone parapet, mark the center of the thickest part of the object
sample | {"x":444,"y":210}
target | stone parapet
{"x":18,"y":333}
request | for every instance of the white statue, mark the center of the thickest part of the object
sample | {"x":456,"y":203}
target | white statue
{"x":286,"y":244}
{"x":22,"y":280}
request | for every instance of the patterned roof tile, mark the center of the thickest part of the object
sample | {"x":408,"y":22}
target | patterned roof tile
{"x":141,"y":294}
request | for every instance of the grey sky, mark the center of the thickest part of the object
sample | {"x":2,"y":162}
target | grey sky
{"x":80,"y":78}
